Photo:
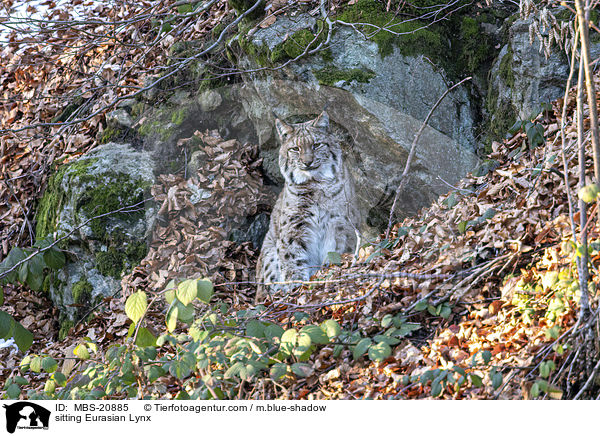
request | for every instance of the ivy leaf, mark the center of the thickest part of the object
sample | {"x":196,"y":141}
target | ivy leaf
{"x":589,"y":193}
{"x":136,"y":306}
{"x":476,"y":380}
{"x":187,"y":291}
{"x":36,"y":364}
{"x":288,"y":341}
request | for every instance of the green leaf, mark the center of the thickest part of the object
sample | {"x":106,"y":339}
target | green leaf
{"x":496,"y":378}
{"x":185,"y":9}
{"x":476,"y":380}
{"x":1,"y":297}
{"x":361,"y":348}
{"x":302,"y":369}
{"x":379,"y":352}
{"x":60,"y":379}
{"x":304,"y":343}
{"x":82,"y":352}
{"x":387,"y":339}
{"x":49,"y":364}
{"x":23,"y":337}
{"x":408,"y":327}
{"x":233,"y":370}
{"x":136,"y":306}
{"x":288,"y":341}
{"x":446,"y":311}
{"x":535,"y":390}
{"x":333,"y":258}
{"x":421,"y":306}
{"x":187,"y":291}
{"x":50,"y":386}
{"x":315,"y":333}
{"x":278,"y":371}
{"x":255,"y":329}
{"x":515,"y":127}
{"x":144,"y":338}
{"x":331,"y":328}
{"x":36,"y":364}
{"x":486,"y":355}
{"x":180,"y":369}
{"x":6,"y":325}
{"x":436,"y":388}
{"x":54,"y":258}
{"x":185,"y":313}
{"x":13,"y":391}
{"x":15,"y":255}
{"x":35,"y":280}
{"x":205,"y":290}
{"x":589,"y":193}
{"x":21,"y":381}
{"x":273,"y":331}
{"x":462,"y":227}
{"x":387,"y":321}
{"x":171,"y":318}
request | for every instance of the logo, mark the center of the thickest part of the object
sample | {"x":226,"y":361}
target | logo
{"x":26,"y":415}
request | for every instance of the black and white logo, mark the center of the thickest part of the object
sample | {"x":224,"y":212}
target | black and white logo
{"x":26,"y":415}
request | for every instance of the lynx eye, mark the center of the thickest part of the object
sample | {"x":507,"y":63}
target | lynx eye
{"x":294,"y":149}
{"x":320,"y":145}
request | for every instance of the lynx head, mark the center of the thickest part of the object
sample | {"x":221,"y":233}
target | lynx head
{"x":308,"y":151}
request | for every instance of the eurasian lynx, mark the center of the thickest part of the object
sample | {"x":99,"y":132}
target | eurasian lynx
{"x":315,"y":213}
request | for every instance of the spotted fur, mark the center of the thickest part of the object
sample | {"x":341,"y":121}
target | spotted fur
{"x":315,"y":213}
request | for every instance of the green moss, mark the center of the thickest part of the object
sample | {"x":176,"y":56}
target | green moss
{"x":259,"y":53}
{"x":414,"y":36}
{"x":54,"y":195}
{"x":110,"y":263}
{"x":82,"y":291}
{"x":111,"y":134}
{"x":502,"y":120}
{"x":138,"y":109}
{"x":163,"y":131}
{"x":505,"y":70}
{"x":106,"y":197}
{"x":65,"y":326}
{"x":331,"y":75}
{"x":178,"y":116}
{"x":297,"y":44}
{"x":115,"y":261}
{"x":476,"y":47}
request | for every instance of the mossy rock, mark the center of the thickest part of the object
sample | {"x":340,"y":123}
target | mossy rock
{"x":99,"y":203}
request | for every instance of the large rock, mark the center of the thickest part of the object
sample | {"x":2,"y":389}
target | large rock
{"x":379,"y":104}
{"x":110,"y":178}
{"x":523,"y":80}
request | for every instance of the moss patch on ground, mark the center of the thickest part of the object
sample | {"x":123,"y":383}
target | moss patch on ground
{"x":505,"y":70}
{"x":82,"y":291}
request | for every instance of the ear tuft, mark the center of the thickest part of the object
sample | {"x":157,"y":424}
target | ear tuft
{"x":322,"y":121}
{"x":282,"y":129}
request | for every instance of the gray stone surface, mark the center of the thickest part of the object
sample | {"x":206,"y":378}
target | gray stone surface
{"x":106,"y":166}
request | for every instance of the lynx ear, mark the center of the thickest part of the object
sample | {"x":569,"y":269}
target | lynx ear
{"x":322,"y":121}
{"x":282,"y":129}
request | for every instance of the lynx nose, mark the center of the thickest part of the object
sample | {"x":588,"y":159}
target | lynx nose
{"x":307,"y":158}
